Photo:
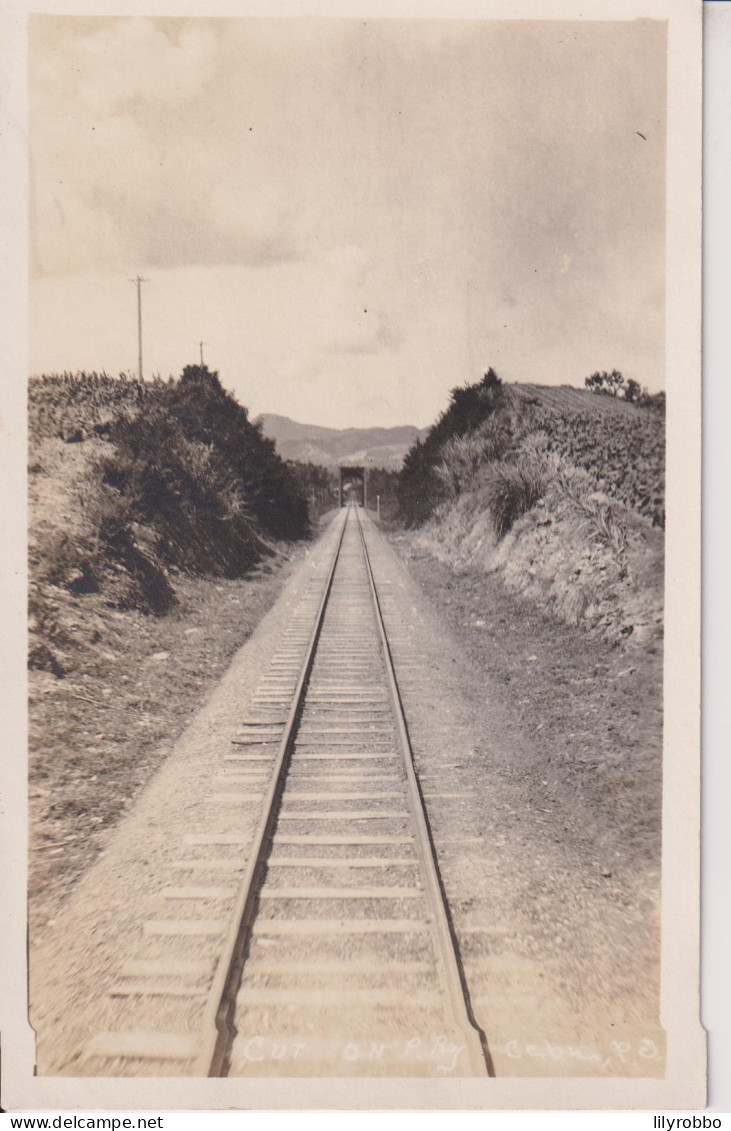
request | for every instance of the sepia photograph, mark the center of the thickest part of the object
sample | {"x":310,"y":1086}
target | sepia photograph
{"x":348,"y":406}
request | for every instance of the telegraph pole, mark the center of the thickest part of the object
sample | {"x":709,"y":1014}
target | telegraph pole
{"x":138,"y":281}
{"x":201,"y":345}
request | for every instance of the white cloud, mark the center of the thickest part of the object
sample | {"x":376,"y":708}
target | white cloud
{"x":132,"y":59}
{"x":340,"y":209}
{"x":121,"y":175}
{"x":367,"y":331}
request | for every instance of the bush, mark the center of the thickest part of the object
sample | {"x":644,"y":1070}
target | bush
{"x":463,"y":456}
{"x":196,"y":470}
{"x":421,"y":487}
{"x":186,"y":494}
{"x":207,"y":414}
{"x":512,"y":489}
{"x":614,"y":384}
{"x":608,"y":384}
{"x":185,"y":480}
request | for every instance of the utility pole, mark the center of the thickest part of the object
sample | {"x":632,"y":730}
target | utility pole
{"x":138,"y":281}
{"x":201,"y":345}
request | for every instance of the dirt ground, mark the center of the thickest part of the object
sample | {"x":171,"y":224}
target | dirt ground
{"x":98,"y":734}
{"x":593,"y":713}
{"x":557,"y":740}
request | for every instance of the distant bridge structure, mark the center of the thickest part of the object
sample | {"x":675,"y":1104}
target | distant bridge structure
{"x":353,"y":485}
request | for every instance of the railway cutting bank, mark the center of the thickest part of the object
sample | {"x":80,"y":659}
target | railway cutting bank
{"x":414,"y":829}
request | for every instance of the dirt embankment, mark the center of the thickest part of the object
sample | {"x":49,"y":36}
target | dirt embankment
{"x":593,"y":712}
{"x":558,"y":491}
{"x":133,"y":682}
{"x":148,"y":569}
{"x":558,"y":739}
{"x":574,"y":556}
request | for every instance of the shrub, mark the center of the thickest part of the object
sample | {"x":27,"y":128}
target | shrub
{"x":185,"y":480}
{"x":206,"y":413}
{"x":186,"y":494}
{"x":464,"y":456}
{"x":614,"y":384}
{"x":512,"y":489}
{"x":609,"y":384}
{"x":602,"y":517}
{"x":196,"y":469}
{"x":420,"y":489}
{"x":496,"y":435}
{"x":420,"y":486}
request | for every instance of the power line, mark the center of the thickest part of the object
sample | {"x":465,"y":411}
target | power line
{"x":138,"y":281}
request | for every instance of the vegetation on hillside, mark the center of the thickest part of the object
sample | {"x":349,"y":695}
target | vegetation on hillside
{"x":557,"y":489}
{"x":622,"y":455}
{"x":421,"y":487}
{"x":491,"y":432}
{"x":382,"y":486}
{"x":78,"y":406}
{"x":133,"y":481}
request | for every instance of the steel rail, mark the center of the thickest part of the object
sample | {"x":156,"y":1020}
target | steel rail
{"x":443,"y":935}
{"x":217,"y":1023}
{"x":218,"y":1028}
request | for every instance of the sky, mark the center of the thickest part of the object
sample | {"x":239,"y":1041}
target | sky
{"x":354,"y":216}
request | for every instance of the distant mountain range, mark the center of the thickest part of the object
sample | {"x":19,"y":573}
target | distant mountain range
{"x":330,"y":447}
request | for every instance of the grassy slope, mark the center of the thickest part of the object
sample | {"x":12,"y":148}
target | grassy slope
{"x":588,"y":551}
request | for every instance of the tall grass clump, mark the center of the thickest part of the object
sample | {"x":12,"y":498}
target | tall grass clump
{"x":424,"y":481}
{"x":463,"y":457}
{"x":512,"y":489}
{"x":601,"y":516}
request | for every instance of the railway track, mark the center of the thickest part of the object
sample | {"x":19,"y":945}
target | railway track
{"x":320,"y":940}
